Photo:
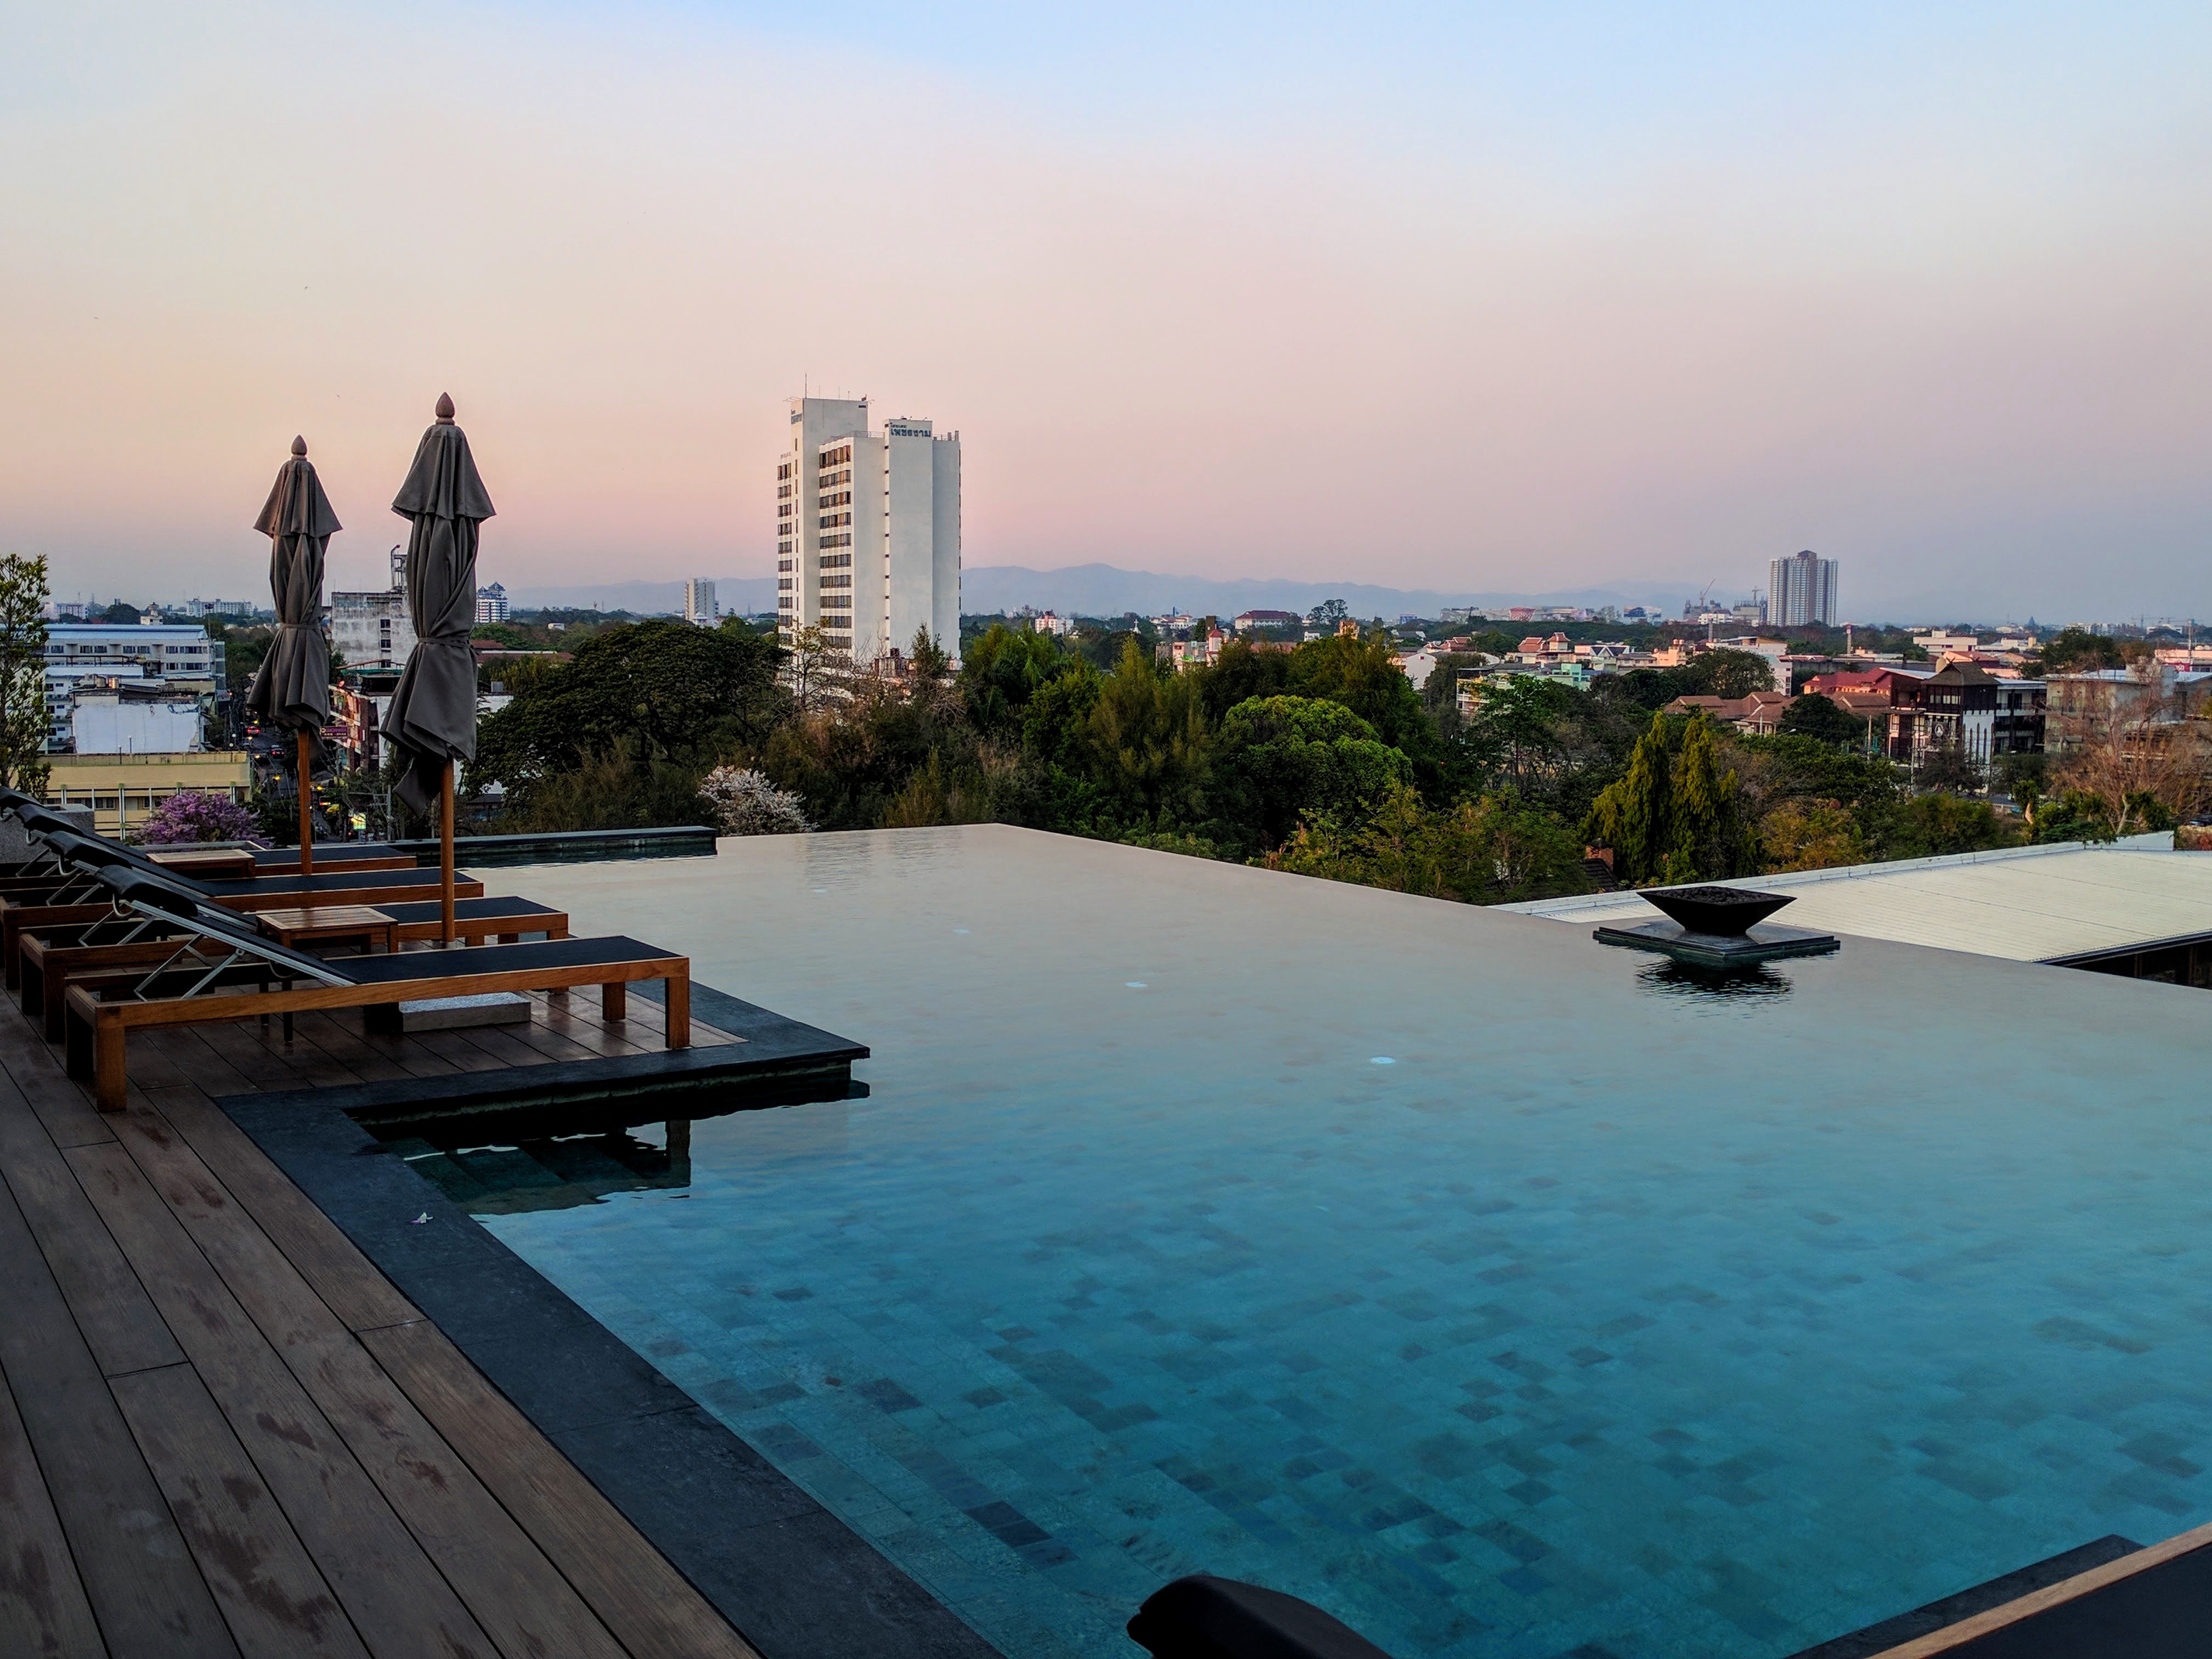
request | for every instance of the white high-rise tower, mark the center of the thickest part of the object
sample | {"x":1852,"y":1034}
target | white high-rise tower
{"x":1801,"y":590}
{"x":867,"y":524}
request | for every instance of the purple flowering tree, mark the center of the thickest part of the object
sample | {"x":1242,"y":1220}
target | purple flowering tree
{"x":189,"y":815}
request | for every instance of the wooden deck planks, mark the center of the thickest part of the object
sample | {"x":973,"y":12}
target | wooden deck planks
{"x":518,"y":1596}
{"x":276,"y":1064}
{"x":43,"y":1608}
{"x":353,"y":1049}
{"x":456,"y":1050}
{"x":628,"y":1583}
{"x":360,"y":1297}
{"x":227,"y":1388}
{"x":398,"y":1599}
{"x":114,"y":1315}
{"x":275,"y":1601}
{"x":67,"y":1111}
{"x":144,"y":1589}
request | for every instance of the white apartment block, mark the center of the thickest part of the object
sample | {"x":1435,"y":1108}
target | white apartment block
{"x":163,"y":650}
{"x":867,"y":542}
{"x":491,"y":603}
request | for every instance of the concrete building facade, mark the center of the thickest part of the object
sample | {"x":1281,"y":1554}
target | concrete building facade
{"x":122,"y":662}
{"x":699,"y":605}
{"x":372,"y":630}
{"x":868,"y":530}
{"x":119,"y":720}
{"x":491,"y":603}
{"x":1801,"y":591}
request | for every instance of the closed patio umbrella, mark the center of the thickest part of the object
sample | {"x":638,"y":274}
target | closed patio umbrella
{"x":291,"y":690}
{"x":432,"y":720}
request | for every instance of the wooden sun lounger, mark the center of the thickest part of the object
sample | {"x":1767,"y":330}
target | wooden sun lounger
{"x":390,"y":877}
{"x":52,"y":958}
{"x":16,"y":920}
{"x":100,"y":1014}
{"x":372,"y":887}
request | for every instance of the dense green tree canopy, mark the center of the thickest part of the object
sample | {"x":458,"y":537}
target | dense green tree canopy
{"x":1241,"y":672}
{"x":2077,"y":651}
{"x":1145,"y":745}
{"x":1363,"y":674}
{"x":663,"y":692}
{"x":1818,"y":718}
{"x":1321,"y":757}
{"x":1003,"y":670}
{"x":1278,"y":759}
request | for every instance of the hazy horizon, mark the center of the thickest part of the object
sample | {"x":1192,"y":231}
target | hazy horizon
{"x":1433,"y":298}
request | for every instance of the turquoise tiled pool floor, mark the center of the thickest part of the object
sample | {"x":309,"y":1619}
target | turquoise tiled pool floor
{"x":1608,"y":1317}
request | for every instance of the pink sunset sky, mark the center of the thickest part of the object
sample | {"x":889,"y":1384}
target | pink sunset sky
{"x":1446,"y":299}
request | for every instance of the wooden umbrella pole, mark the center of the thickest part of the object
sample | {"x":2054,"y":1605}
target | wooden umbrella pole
{"x":445,"y":855}
{"x":306,"y":812}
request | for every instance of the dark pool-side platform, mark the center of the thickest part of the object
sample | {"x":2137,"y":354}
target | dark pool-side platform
{"x":1670,"y":939}
{"x":797,"y":1581}
{"x":2157,"y":1605}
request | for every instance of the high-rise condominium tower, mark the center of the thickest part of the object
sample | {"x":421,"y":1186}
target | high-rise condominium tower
{"x":868,"y":530}
{"x":1801,"y":590}
{"x":699,"y":605}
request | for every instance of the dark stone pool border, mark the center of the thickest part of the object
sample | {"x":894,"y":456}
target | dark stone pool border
{"x":794,"y":1579}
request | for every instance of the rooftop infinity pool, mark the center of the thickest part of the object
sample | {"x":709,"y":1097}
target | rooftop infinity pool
{"x":1503,"y":1293}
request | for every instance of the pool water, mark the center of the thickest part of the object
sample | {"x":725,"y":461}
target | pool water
{"x":1619,"y":1312}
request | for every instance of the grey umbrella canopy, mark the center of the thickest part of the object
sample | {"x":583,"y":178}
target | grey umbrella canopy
{"x":433,"y":717}
{"x":292,"y":688}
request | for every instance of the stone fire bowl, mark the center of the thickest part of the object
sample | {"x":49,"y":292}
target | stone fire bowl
{"x":1728,"y":912}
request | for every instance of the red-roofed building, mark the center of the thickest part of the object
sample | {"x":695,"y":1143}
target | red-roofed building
{"x":1888,"y":683}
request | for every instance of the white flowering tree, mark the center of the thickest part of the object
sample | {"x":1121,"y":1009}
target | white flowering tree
{"x":746,"y":802}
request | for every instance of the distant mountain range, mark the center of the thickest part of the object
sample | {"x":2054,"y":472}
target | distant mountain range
{"x":1105,"y":589}
{"x":747,"y":595}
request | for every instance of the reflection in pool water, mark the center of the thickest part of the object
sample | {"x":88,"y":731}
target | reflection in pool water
{"x":1691,"y":983}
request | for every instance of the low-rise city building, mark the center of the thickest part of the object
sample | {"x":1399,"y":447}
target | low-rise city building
{"x":1184,"y":654}
{"x":1758,"y":713}
{"x":118,"y":664}
{"x":123,"y":789}
{"x":1418,"y":666}
{"x":135,"y":717}
{"x":1964,"y":707}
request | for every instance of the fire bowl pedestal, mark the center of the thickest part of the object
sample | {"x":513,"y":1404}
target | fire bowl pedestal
{"x":1711,"y":927}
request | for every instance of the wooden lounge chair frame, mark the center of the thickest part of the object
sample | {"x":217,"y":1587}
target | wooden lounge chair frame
{"x":221,"y":975}
{"x":51,"y":959}
{"x":72,"y":902}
